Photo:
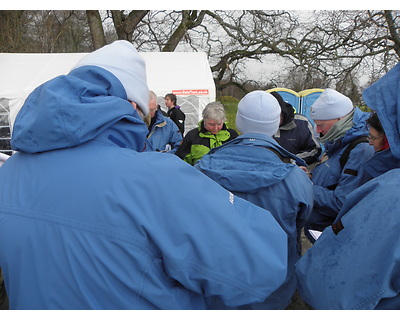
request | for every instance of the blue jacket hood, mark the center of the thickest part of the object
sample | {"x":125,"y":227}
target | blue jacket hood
{"x":245,"y":174}
{"x":54,"y":116}
{"x":384,"y":97}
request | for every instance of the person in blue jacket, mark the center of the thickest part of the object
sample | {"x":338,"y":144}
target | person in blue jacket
{"x":355,"y":264}
{"x":255,"y":167}
{"x":164,"y":135}
{"x":383,"y":159}
{"x":80,"y":227}
{"x":339,"y":124}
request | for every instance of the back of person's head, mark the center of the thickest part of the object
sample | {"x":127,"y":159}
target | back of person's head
{"x":171,"y":97}
{"x":374,"y":122}
{"x":152,"y":97}
{"x":287,"y":111}
{"x":258,"y":112}
{"x":124,"y":62}
{"x":152,"y":103}
{"x":214,"y":111}
{"x":331,"y":105}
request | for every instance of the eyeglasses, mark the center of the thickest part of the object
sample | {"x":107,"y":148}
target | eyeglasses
{"x":372,"y":138}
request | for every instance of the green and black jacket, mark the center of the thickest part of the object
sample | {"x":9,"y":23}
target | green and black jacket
{"x":199,"y":141}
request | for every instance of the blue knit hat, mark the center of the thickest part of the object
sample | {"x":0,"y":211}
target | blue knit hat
{"x":258,"y":112}
{"x":331,"y":105}
{"x":123,"y":61}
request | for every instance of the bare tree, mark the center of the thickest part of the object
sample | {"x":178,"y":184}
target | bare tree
{"x":44,"y":31}
{"x":190,"y":20}
{"x":96,"y":28}
{"x":347,"y":43}
{"x":332,"y":48}
{"x":14,"y":30}
{"x":125,"y":24}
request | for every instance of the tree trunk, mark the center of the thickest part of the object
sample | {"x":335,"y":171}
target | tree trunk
{"x":124,"y":26}
{"x":96,"y":28}
{"x":393,"y":31}
{"x":190,"y":20}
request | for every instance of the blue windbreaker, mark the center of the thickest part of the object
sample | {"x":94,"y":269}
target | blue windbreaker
{"x":379,"y":163}
{"x":383,"y":97}
{"x":88,"y":222}
{"x":163,"y":132}
{"x":245,"y":167}
{"x":332,"y":183}
{"x":359,"y":267}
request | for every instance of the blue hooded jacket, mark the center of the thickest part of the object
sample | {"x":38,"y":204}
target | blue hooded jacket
{"x":332,"y":183}
{"x":382,"y":96}
{"x":358,"y":265}
{"x":81,"y":227}
{"x":248,"y":169}
{"x":163,"y":132}
{"x":379,"y":163}
{"x":357,"y":268}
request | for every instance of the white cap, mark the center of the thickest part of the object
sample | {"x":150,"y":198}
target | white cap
{"x":331,"y":105}
{"x":258,"y":112}
{"x":123,"y":61}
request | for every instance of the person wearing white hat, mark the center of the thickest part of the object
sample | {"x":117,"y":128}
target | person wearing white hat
{"x":255,"y":167}
{"x":88,"y":221}
{"x":356,"y":263}
{"x":343,"y":131}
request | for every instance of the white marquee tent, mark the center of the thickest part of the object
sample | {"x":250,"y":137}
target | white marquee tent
{"x":186,"y":74}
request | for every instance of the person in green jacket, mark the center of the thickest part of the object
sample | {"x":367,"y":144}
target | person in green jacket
{"x":212,"y":131}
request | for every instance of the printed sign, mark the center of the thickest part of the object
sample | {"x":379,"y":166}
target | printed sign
{"x":196,"y":92}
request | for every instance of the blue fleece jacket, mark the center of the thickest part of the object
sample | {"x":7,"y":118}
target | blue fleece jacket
{"x":246,"y":167}
{"x":332,"y":182}
{"x":164,"y":132}
{"x":87,"y":221}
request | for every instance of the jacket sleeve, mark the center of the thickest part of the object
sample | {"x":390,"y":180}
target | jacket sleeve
{"x":175,"y":137}
{"x":184,"y":148}
{"x":331,"y":201}
{"x":178,"y":117}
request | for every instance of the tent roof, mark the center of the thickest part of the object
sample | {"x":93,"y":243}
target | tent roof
{"x":166,"y":71}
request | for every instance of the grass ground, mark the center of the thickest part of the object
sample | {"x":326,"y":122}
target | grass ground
{"x":230,"y":105}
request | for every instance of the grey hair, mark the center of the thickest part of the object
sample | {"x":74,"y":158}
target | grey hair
{"x":152,"y":95}
{"x":214,"y":111}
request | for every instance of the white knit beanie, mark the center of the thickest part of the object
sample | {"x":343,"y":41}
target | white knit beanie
{"x":258,"y":112}
{"x":331,"y":105}
{"x":123,"y":61}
